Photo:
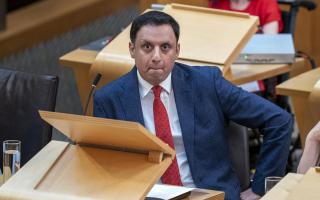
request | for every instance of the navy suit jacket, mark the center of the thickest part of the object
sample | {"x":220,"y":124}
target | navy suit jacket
{"x":205,"y":102}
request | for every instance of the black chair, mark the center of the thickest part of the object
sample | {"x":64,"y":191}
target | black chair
{"x":22,"y":95}
{"x":239,"y":152}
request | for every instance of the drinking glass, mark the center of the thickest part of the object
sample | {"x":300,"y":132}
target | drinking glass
{"x":11,"y":158}
{"x":270,"y":182}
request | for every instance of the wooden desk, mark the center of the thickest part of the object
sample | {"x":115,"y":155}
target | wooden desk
{"x":46,"y":19}
{"x":81,"y":60}
{"x":296,"y":187}
{"x":283,"y":189}
{"x":27,"y":180}
{"x":299,"y":88}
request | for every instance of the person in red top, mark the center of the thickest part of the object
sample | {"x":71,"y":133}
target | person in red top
{"x":268,"y":12}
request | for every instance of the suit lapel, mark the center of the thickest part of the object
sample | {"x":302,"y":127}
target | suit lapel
{"x":130,"y":98}
{"x":184,"y":97}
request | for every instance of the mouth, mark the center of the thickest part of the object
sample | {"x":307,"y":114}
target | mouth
{"x":156,"y":68}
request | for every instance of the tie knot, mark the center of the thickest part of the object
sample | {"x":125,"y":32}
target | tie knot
{"x":156,"y":91}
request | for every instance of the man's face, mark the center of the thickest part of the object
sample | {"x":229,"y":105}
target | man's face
{"x":155,"y":51}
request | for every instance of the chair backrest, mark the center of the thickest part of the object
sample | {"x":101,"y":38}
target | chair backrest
{"x":239,"y":152}
{"x":21,"y":96}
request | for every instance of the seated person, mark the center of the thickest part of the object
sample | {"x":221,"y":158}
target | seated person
{"x":268,"y":12}
{"x":188,"y":107}
{"x":311,"y":151}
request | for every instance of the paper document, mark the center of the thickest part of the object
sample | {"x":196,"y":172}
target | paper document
{"x":168,"y":192}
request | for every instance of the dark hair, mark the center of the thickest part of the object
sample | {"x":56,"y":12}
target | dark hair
{"x":155,"y":18}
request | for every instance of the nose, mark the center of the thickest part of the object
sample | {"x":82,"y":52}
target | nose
{"x":156,"y":57}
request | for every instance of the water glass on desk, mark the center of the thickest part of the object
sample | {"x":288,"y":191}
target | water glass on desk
{"x":11,"y":158}
{"x":270,"y":182}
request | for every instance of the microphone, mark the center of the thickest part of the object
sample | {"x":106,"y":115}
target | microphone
{"x":93,"y":86}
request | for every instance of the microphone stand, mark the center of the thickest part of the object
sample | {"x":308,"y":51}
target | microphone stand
{"x":93,"y":86}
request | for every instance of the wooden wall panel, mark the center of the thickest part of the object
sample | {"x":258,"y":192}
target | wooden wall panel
{"x":47,"y":19}
{"x":307,"y":35}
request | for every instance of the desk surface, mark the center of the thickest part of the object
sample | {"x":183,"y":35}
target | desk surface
{"x":284,"y":187}
{"x":26,"y":183}
{"x":296,"y":187}
{"x":299,"y":88}
{"x":300,"y":85}
{"x":240,"y":74}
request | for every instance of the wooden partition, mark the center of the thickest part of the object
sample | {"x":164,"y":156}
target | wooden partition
{"x":299,"y":89}
{"x":46,"y":19}
{"x":307,"y":36}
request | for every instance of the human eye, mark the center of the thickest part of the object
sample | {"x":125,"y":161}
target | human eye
{"x":146,"y":46}
{"x":166,"y":47}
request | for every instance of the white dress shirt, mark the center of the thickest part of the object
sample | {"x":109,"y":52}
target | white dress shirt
{"x":167,"y":97}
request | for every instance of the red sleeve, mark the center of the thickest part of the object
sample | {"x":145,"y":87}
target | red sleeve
{"x":271,"y":12}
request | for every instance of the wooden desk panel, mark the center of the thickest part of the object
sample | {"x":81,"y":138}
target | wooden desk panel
{"x":296,"y":187}
{"x":28,"y":183}
{"x":46,"y":19}
{"x":283,"y":189}
{"x":299,"y":89}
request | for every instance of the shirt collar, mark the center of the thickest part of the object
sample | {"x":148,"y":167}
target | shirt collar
{"x":145,"y":87}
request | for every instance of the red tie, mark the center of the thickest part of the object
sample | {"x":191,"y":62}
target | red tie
{"x":162,"y":126}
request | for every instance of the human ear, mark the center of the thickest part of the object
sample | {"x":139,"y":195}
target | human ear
{"x":131,"y":49}
{"x":177,"y":50}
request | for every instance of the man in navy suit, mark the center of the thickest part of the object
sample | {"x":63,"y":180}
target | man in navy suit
{"x":198,"y":103}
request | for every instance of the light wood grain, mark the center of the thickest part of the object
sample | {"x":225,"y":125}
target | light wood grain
{"x":63,"y":171}
{"x":307,"y":34}
{"x":314,"y":101}
{"x":99,"y":173}
{"x":283,"y":189}
{"x":300,"y":85}
{"x":15,"y":194}
{"x":187,"y":7}
{"x":299,"y":89}
{"x":69,"y":172}
{"x":32,"y":172}
{"x":89,"y":169}
{"x":219,"y":37}
{"x":46,"y":19}
{"x":106,"y":132}
{"x":308,"y":187}
{"x":155,"y":156}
